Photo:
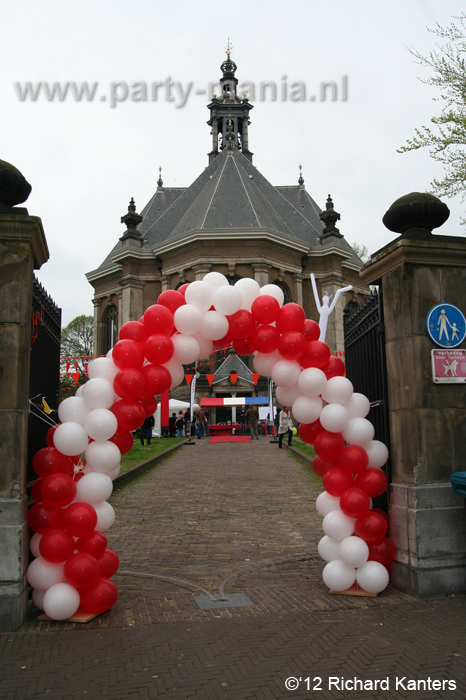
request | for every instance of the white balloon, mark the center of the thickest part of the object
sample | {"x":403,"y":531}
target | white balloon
{"x":273,"y":290}
{"x":61,"y":601}
{"x":328,"y":549}
{"x":102,"y":368}
{"x":306,"y":410}
{"x":38,"y":598}
{"x":98,"y":393}
{"x":337,"y":525}
{"x":286,"y":373}
{"x":199,"y":294}
{"x":249,"y":289}
{"x":358,"y":406}
{"x":353,"y":551}
{"x":34,"y":544}
{"x":105,"y":516}
{"x":102,"y":456}
{"x":114,"y":473}
{"x":101,"y":424}
{"x":265,"y":362}
{"x":338,"y":576}
{"x":186,"y":349}
{"x":372,"y":577}
{"x":215,"y":280}
{"x":359,"y":431}
{"x":286,"y":397}
{"x":42,"y":574}
{"x":188,"y":319}
{"x":312,"y":382}
{"x":176,"y":370}
{"x":214,"y":325}
{"x":93,"y":488}
{"x":73,"y":410}
{"x":227,"y":300}
{"x":70,"y":439}
{"x":79,"y":391}
{"x":377,"y":453}
{"x":334,"y":417}
{"x":338,"y":390}
{"x":325,"y":503}
{"x":205,"y":346}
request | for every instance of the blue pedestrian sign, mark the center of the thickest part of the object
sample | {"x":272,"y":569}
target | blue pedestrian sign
{"x":446,"y":325}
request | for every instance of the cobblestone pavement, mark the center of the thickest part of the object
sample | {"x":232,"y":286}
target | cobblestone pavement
{"x":214,"y":520}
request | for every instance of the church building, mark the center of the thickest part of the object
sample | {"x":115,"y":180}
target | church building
{"x":232,"y":220}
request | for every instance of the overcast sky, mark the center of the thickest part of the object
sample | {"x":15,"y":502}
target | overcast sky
{"x":86,"y":159}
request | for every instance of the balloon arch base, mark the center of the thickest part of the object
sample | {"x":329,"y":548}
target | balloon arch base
{"x":72,"y":570}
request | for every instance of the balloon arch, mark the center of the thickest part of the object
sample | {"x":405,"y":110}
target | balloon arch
{"x":73,"y":566}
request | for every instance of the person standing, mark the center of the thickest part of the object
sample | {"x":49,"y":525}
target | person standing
{"x":146,"y":430}
{"x":285,"y":425}
{"x":242,"y":420}
{"x":252,"y":417}
{"x":200,"y":423}
{"x":179,"y":425}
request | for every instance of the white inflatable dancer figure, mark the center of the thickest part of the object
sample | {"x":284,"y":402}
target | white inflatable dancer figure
{"x":324,"y":309}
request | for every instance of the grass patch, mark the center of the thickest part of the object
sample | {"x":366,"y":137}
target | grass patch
{"x":307,"y":450}
{"x":139,"y":454}
{"x":304,"y":447}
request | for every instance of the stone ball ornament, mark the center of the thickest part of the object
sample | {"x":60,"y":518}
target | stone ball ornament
{"x":14,"y":188}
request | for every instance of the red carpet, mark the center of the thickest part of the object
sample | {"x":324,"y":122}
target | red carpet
{"x":230,"y":438}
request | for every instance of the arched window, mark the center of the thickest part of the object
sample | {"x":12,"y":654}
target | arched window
{"x":285,"y":290}
{"x":111,"y":324}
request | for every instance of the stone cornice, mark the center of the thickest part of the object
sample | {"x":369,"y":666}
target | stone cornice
{"x":102,"y":272}
{"x":442,"y":250}
{"x":229,"y":235}
{"x":29,"y":229}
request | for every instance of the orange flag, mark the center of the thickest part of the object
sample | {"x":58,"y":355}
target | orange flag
{"x":233,"y":377}
{"x":210,"y":378}
{"x":255,"y":378}
{"x":189,"y":378}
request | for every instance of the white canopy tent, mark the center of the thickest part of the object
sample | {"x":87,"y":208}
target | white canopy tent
{"x":173,"y":407}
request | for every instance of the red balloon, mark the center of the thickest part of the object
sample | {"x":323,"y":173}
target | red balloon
{"x":56,"y":545}
{"x":50,"y":461}
{"x":383,"y":552}
{"x":94,"y":543}
{"x":316,"y":354}
{"x":353,"y":459}
{"x":36,"y":490}
{"x":128,"y":353}
{"x":311,"y":330}
{"x":172,"y":299}
{"x":133,"y":330}
{"x":81,"y":570}
{"x":244,"y":346}
{"x":265,"y":338}
{"x":336,"y":481}
{"x":182,"y":290}
{"x":124,"y":441}
{"x":309,"y":431}
{"x":128,"y":383}
{"x":335,"y":368}
{"x":291,"y":345}
{"x":79,"y":519}
{"x":321,"y":466}
{"x":223,"y":342}
{"x":372,"y":481}
{"x":99,"y":597}
{"x":159,"y":348}
{"x":241,"y":324}
{"x":291,"y":317}
{"x":58,"y":490}
{"x":49,"y":436}
{"x":265,"y":309}
{"x":129,"y":414}
{"x":78,"y":476}
{"x":108,"y":563}
{"x":159,"y":319}
{"x":43,"y":517}
{"x":329,"y":445}
{"x":383,"y":514}
{"x":157,"y":379}
{"x":149,"y":405}
{"x":354,"y":502}
{"x":372,"y":527}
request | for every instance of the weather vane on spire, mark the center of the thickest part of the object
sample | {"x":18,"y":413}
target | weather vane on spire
{"x":229,"y":47}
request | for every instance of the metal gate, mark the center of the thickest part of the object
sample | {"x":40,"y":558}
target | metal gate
{"x":366,"y":367}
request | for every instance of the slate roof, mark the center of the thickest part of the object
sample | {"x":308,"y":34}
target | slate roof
{"x":229,"y":194}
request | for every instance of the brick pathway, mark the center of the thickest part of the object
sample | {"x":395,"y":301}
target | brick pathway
{"x":240,"y":517}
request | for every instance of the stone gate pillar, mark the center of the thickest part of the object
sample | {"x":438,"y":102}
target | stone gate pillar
{"x":427,"y":421}
{"x":23,"y":248}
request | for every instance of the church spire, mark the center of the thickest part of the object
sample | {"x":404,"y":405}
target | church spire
{"x":229,"y":114}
